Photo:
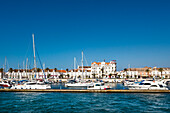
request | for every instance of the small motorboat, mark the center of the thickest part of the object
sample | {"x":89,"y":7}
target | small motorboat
{"x":31,"y":85}
{"x":81,"y":83}
{"x":4,"y":84}
{"x":149,"y":85}
{"x":99,"y":86}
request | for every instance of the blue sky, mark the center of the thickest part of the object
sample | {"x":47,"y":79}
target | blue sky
{"x":135,"y":32}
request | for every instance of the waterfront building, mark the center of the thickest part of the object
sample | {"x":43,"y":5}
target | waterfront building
{"x":30,"y":74}
{"x":106,"y":70}
{"x":77,"y":73}
{"x":103,"y":69}
{"x":146,"y":72}
{"x":96,"y":70}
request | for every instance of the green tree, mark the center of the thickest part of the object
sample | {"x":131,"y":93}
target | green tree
{"x":119,"y":76}
{"x":147,"y":70}
{"x":48,"y":76}
{"x":161,"y":70}
{"x":55,"y":69}
{"x":2,"y":71}
{"x":125,"y":70}
{"x":68,"y":75}
{"x":94,"y":75}
{"x":38,"y":70}
{"x":47,"y":69}
{"x":102,"y":72}
{"x":10,"y":70}
{"x":110,"y":75}
{"x":61,"y":76}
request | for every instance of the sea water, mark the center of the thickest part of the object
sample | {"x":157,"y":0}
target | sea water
{"x":36,"y":102}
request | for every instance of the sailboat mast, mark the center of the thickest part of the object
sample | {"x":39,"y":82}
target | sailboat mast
{"x":3,"y":71}
{"x":35,"y":67}
{"x":74,"y":63}
{"x":82,"y":65}
{"x":26,"y":66}
{"x":5,"y":65}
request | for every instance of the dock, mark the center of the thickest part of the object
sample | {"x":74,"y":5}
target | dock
{"x":84,"y":91}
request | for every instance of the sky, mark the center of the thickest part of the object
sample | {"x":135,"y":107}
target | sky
{"x":135,"y":33}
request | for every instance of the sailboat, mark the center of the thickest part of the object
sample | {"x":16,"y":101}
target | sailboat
{"x":33,"y":84}
{"x":81,"y":83}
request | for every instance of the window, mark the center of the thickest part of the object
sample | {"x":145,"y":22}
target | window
{"x":147,"y":84}
{"x":31,"y":83}
{"x":153,"y":85}
{"x":141,"y":83}
{"x":97,"y":84}
{"x":161,"y":86}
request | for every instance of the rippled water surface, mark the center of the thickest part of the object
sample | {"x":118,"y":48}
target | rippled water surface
{"x":84,"y":102}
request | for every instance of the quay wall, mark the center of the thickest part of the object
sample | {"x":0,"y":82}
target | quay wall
{"x":84,"y":91}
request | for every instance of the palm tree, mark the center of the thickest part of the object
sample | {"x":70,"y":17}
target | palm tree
{"x":67,"y":72}
{"x":55,"y":69}
{"x":125,"y":70}
{"x":61,"y":76}
{"x":38,"y":70}
{"x":47,"y":68}
{"x":102,"y":71}
{"x":47,"y":71}
{"x":161,"y":70}
{"x":119,"y":76}
{"x":1,"y":70}
{"x":10,"y":70}
{"x":147,"y":70}
{"x":48,"y":75}
{"x":94,"y":75}
{"x":68,"y":75}
{"x":110,"y":75}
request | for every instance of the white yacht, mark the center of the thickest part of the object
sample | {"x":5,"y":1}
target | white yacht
{"x":32,"y":85}
{"x":4,"y":84}
{"x":98,"y":85}
{"x":128,"y":82}
{"x":74,"y":83}
{"x":79,"y":84}
{"x":149,"y":85}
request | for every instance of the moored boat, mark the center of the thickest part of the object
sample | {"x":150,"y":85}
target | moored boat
{"x":4,"y":84}
{"x":149,"y":85}
{"x":99,"y":86}
{"x":31,"y":85}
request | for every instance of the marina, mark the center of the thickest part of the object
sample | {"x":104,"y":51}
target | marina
{"x":113,"y":88}
{"x":84,"y":56}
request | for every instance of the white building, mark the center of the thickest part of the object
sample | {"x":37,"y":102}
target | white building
{"x":77,"y":73}
{"x":104,"y":69}
{"x":146,"y":72}
{"x":30,"y":74}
